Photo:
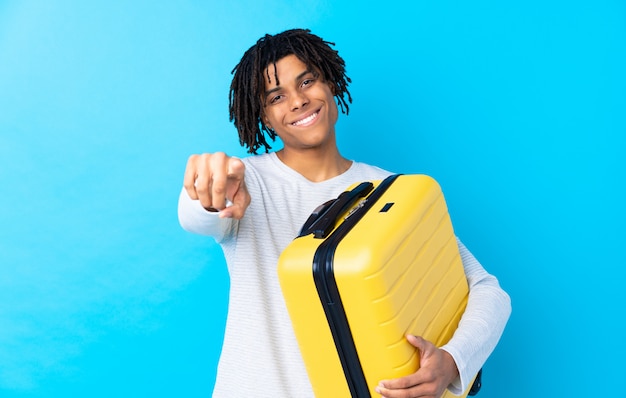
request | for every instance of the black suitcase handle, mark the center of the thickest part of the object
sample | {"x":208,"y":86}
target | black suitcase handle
{"x":324,"y":217}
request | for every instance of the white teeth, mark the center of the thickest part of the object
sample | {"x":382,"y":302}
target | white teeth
{"x":305,"y":120}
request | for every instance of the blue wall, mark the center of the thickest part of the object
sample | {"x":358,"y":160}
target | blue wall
{"x":517,"y":108}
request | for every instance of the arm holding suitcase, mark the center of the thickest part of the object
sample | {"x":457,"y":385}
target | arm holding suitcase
{"x":437,"y":371}
{"x":488,"y":310}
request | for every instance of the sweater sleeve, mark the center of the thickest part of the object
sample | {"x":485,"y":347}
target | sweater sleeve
{"x":195,"y":218}
{"x":481,"y":326}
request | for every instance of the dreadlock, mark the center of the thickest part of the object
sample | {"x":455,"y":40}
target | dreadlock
{"x":248,"y":84}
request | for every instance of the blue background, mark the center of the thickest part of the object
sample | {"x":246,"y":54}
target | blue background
{"x":517,"y":108}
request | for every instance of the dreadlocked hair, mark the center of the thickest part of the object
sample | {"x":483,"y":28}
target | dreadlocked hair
{"x":248,"y":85}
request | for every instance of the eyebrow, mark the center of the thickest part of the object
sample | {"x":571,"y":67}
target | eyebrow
{"x":277,"y":88}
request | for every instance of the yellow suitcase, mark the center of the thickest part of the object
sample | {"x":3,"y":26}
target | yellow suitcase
{"x":378,"y":262}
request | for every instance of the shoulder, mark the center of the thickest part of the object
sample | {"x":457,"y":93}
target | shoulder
{"x":367,"y":171}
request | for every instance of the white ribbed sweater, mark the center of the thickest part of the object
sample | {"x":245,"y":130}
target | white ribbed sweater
{"x":260,"y":355}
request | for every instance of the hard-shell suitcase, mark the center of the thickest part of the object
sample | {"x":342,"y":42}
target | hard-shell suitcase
{"x":378,"y":262}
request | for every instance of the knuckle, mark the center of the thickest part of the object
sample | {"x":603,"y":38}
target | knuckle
{"x":404,"y":394}
{"x":236,"y":164}
{"x":428,"y":374}
{"x":202,"y":189}
{"x":218,"y":189}
{"x":431,"y":390}
{"x":218,"y":158}
{"x":189,"y":185}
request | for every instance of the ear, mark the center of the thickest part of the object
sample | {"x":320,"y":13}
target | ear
{"x":265,"y":120}
{"x":332,"y":87}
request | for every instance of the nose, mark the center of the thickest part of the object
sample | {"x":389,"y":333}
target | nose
{"x":299,"y":100}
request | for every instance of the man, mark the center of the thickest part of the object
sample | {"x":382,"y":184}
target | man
{"x":290,"y":85}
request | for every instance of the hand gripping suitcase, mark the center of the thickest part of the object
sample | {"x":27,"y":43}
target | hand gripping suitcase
{"x":378,"y":262}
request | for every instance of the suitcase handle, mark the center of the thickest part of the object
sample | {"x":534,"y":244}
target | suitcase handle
{"x":324,"y":217}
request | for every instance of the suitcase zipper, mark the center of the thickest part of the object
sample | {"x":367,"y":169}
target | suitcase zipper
{"x":323,"y":275}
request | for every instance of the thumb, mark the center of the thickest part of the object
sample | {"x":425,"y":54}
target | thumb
{"x":239,"y":204}
{"x":417,"y":342}
{"x":424,"y":347}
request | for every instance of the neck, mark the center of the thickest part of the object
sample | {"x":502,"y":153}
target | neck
{"x":316,"y":166}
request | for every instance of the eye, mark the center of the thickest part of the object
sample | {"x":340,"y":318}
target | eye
{"x":274,"y":99}
{"x":307,"y":82}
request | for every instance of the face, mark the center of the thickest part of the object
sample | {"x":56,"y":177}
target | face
{"x":302,"y":109}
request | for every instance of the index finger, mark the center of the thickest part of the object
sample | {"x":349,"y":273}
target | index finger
{"x":236,"y":169}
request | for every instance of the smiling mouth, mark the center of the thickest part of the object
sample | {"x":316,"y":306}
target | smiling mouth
{"x":306,"y":120}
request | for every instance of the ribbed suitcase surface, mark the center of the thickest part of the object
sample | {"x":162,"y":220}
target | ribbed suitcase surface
{"x":356,"y":284}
